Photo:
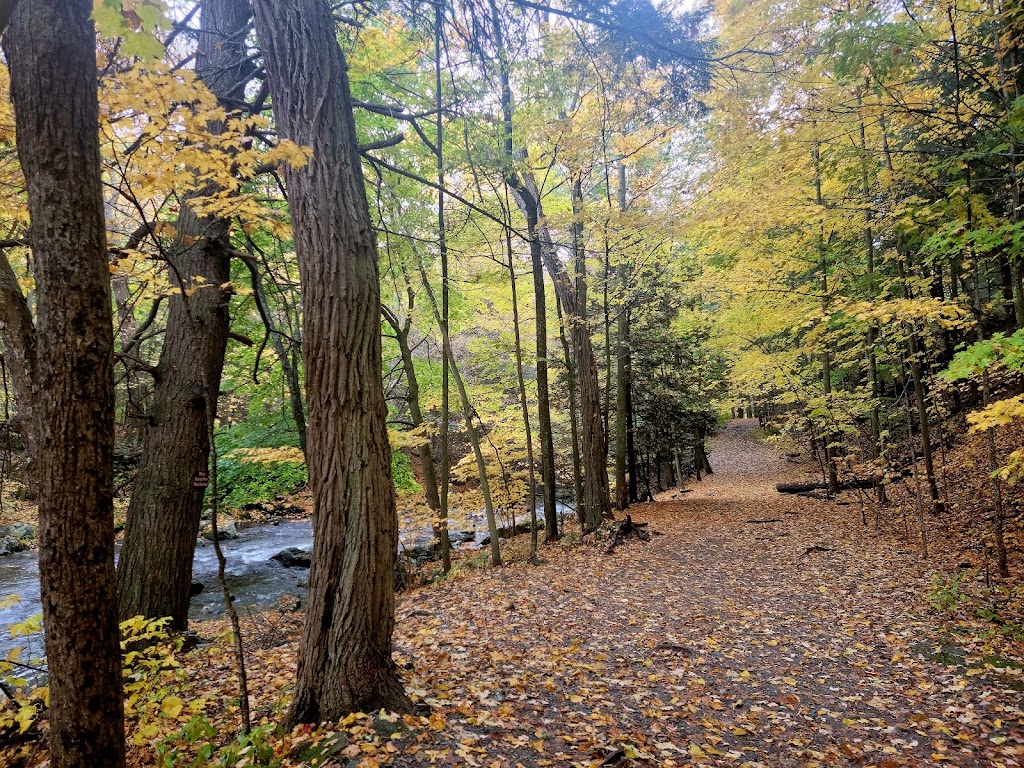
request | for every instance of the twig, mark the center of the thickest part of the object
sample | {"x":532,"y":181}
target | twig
{"x":236,"y":629}
{"x":614,"y":758}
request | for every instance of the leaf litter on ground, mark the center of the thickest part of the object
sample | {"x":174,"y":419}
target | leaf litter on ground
{"x":808,"y":640}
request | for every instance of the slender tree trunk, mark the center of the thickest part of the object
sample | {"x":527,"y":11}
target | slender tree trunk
{"x":286,"y":352}
{"x":826,"y":356}
{"x":872,"y":359}
{"x":920,"y":395}
{"x":468,"y":414}
{"x":134,"y":418}
{"x":580,"y":267}
{"x":577,"y":467}
{"x":154,"y":572}
{"x":51,"y":53}
{"x":412,"y":399}
{"x":622,"y":414}
{"x":446,"y":339}
{"x":606,"y":310}
{"x":632,"y":469}
{"x":547,"y":448}
{"x":623,"y":383}
{"x":926,"y":435}
{"x":345,"y":662}
{"x":701,"y":453}
{"x":597,"y":504}
{"x":290,"y":370}
{"x":522,"y":395}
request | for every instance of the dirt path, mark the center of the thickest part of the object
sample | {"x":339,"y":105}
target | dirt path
{"x":725,"y":641}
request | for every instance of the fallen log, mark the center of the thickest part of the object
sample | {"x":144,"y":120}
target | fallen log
{"x":768,"y":520}
{"x":799,"y":487}
{"x":806,"y":487}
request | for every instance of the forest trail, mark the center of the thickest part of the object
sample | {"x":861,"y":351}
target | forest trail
{"x":724,"y":641}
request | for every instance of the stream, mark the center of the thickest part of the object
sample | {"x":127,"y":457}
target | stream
{"x":255,"y":579}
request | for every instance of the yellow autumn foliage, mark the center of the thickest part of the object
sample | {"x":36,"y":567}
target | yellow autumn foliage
{"x":280,"y":455}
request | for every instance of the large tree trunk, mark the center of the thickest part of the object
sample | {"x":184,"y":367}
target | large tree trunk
{"x":18,"y":334}
{"x":51,"y":52}
{"x":345,"y":660}
{"x":155,"y":569}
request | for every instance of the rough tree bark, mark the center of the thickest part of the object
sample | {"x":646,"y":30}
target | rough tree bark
{"x":154,"y":571}
{"x":51,"y":52}
{"x":18,"y":333}
{"x":345,"y":662}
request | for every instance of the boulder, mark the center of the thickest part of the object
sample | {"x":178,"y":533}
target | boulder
{"x":293,"y":557}
{"x":227,"y":529}
{"x":19,"y":531}
{"x":9,"y":545}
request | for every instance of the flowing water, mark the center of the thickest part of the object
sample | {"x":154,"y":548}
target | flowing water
{"x":255,"y":580}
